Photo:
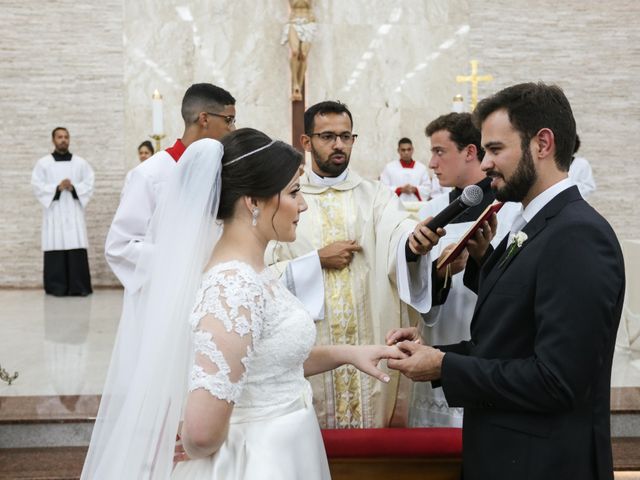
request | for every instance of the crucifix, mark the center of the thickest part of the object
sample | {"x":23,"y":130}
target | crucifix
{"x":298,"y":33}
{"x":297,"y":120}
{"x":474,"y":78}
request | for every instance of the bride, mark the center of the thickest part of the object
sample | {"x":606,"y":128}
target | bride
{"x":227,"y":351}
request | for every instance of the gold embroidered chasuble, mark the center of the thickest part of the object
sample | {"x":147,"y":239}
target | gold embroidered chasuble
{"x":361,"y":301}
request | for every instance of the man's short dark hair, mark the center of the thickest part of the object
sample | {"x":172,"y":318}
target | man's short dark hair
{"x":53,"y":132}
{"x":204,"y":97}
{"x":405,"y":140}
{"x":532,"y":107}
{"x":461,"y":129}
{"x":323,"y":108}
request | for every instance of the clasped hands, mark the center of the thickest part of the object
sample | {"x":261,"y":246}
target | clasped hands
{"x":421,"y":363}
{"x":409,"y":189}
{"x":65,"y":185}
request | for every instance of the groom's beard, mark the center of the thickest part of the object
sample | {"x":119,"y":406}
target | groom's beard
{"x":518,"y":185}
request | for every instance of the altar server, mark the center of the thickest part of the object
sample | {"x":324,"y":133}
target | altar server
{"x":63,"y":184}
{"x":406,"y":177}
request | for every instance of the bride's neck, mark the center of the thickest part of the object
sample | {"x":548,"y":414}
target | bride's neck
{"x":240,"y":242}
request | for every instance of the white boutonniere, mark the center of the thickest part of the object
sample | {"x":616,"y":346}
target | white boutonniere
{"x":516,"y":244}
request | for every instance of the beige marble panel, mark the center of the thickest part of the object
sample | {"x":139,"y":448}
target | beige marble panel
{"x":394,"y":67}
{"x":228,"y":43}
{"x":93,"y":67}
{"x":590,"y":49}
{"x":60,"y":64}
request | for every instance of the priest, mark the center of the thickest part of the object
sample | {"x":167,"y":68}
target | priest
{"x":407,"y":178}
{"x":356,"y":256}
{"x":63,"y":184}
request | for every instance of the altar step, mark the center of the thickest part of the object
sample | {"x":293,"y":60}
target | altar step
{"x":45,"y":438}
{"x":65,"y":463}
{"x":52,"y":463}
{"x":47,"y":421}
{"x":67,"y":421}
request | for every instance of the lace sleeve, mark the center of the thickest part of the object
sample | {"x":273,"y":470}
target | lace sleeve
{"x":227,"y":320}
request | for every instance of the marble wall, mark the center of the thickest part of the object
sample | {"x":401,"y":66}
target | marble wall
{"x":93,"y":67}
{"x":592,"y":50}
{"x":233,"y":44}
{"x":61,"y":63}
{"x":394,"y":64}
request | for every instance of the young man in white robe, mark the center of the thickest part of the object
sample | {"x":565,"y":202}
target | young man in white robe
{"x":408,"y":179}
{"x":580,"y":173}
{"x":455,"y":159}
{"x":208,"y":111}
{"x":357,"y":261}
{"x":63,"y":184}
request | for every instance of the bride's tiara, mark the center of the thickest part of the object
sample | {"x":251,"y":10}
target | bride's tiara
{"x":249,"y":153}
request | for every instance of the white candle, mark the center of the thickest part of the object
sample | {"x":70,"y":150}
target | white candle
{"x":157,"y":114}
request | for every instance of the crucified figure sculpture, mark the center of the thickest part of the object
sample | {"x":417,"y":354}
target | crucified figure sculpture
{"x":299,"y":32}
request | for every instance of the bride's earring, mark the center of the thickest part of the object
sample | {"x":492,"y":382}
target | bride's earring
{"x":254,"y":216}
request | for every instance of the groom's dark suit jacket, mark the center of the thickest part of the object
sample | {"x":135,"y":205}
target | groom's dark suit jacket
{"x":535,"y":377}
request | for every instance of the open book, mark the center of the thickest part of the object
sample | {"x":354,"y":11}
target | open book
{"x":453,"y":254}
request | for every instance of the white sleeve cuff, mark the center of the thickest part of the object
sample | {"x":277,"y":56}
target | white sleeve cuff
{"x":413,"y":278}
{"x":303,"y":277}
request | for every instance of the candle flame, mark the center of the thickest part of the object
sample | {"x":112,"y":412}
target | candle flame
{"x":156,"y":95}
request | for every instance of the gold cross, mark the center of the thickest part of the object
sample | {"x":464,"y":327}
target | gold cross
{"x":474,"y":78}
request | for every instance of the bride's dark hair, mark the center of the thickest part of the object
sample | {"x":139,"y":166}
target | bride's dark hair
{"x":261,"y":175}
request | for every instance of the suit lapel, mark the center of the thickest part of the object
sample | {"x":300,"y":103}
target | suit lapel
{"x":494,"y":258}
{"x":496,"y":266}
{"x":532,"y":229}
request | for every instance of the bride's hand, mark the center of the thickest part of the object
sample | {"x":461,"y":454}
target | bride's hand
{"x":179,"y":455}
{"x":367,"y":357}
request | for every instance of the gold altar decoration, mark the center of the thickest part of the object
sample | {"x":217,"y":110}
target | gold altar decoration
{"x":474,"y":79}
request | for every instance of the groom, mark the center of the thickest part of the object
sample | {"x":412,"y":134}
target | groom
{"x":534,"y":379}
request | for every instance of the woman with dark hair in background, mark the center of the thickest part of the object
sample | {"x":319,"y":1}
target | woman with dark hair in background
{"x":145,"y":150}
{"x":233,"y":366}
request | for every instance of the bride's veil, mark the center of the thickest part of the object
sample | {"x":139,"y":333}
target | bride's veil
{"x":134,"y":434}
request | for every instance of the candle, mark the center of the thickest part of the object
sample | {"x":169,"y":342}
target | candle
{"x":458,"y":104}
{"x":157,"y":114}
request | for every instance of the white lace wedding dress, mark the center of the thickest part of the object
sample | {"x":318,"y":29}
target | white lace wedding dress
{"x":273,"y":432}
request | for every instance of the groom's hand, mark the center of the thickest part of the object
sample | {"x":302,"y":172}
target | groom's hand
{"x":396,"y":335}
{"x":423,"y":365}
{"x":479,"y":243}
{"x":457,"y":265}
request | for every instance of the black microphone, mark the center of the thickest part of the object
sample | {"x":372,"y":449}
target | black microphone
{"x":471,"y":196}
